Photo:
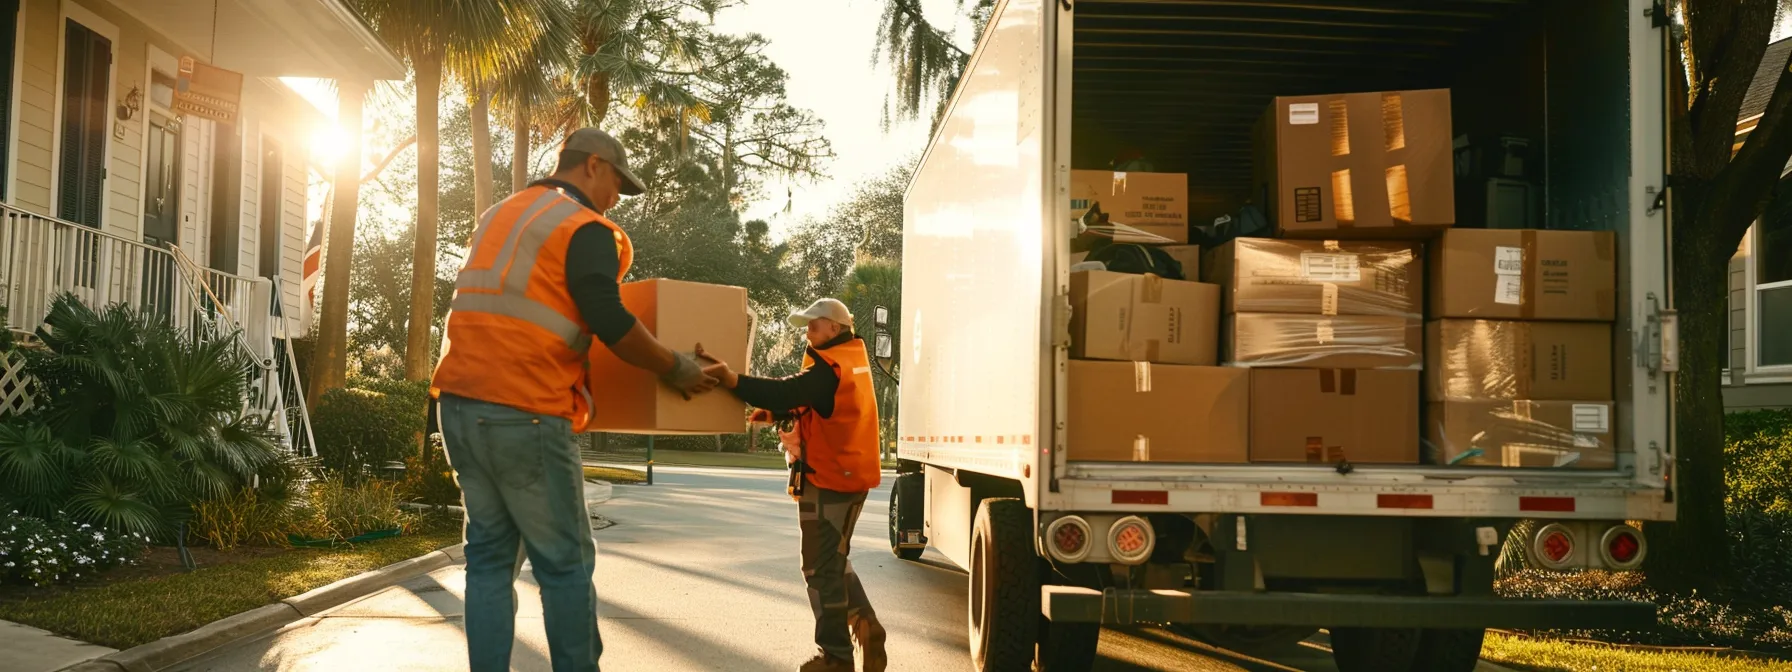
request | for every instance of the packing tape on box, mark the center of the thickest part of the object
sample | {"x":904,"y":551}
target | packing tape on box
{"x":1319,"y":453}
{"x":1325,"y":333}
{"x":1339,"y":381}
{"x":1528,"y":309}
{"x":1328,"y":298}
{"x":1141,"y":448}
{"x":1141,"y":377}
{"x":1151,"y":289}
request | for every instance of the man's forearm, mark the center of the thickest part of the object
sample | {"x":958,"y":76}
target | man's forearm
{"x":641,"y":350}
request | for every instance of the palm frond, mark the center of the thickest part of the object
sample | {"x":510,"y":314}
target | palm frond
{"x":32,"y":460}
{"x":107,"y":504}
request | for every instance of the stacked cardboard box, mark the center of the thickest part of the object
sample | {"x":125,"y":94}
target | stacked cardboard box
{"x":1519,"y":353}
{"x":1143,"y":386}
{"x":1332,"y":334}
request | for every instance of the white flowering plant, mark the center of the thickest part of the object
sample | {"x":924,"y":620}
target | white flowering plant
{"x":39,"y":552}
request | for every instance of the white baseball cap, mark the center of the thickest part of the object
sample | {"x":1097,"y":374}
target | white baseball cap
{"x":831,"y":309}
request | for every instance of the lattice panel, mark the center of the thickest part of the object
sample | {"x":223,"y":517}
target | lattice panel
{"x":17,"y":391}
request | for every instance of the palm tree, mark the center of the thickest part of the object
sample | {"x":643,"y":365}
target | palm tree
{"x":474,"y":40}
{"x":644,"y":49}
{"x":924,"y":59}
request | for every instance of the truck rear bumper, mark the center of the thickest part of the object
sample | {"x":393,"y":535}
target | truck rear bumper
{"x":1124,"y":607}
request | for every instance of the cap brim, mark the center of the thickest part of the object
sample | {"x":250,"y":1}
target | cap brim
{"x":799,"y":320}
{"x":631,"y":185}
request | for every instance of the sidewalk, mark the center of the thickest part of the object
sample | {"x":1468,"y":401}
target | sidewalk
{"x":29,"y":649}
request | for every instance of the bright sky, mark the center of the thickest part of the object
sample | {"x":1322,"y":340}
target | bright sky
{"x":830,"y":74}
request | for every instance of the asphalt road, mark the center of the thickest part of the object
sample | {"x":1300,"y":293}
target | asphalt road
{"x":699,"y":572}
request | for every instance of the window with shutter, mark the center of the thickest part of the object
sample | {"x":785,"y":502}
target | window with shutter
{"x":86,"y":72}
{"x":9,"y":36}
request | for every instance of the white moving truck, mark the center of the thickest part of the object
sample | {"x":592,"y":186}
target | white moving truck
{"x":1396,"y":560}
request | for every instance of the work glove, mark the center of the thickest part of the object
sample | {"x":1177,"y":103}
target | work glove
{"x":687,"y":376}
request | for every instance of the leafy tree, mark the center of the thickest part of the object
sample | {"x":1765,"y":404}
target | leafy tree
{"x":925,"y":59}
{"x":874,"y":283}
{"x":136,"y":421}
{"x":643,"y":50}
{"x":1716,"y":192}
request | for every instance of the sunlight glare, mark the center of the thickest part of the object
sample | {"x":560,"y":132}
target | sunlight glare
{"x":328,"y":143}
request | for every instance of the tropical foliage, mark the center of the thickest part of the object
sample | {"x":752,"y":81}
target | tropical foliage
{"x":136,"y":421}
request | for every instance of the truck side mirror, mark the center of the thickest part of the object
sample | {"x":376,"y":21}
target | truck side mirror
{"x":884,"y":347}
{"x":880,"y":316}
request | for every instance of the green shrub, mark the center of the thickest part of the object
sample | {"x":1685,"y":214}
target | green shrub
{"x":1758,"y":453}
{"x":42,"y":552}
{"x":339,"y":510}
{"x":135,"y":421}
{"x":428,"y":478}
{"x":245,"y":516}
{"x":372,"y":422}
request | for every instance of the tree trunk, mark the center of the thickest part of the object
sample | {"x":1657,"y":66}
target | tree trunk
{"x":481,"y":116}
{"x":330,"y":363}
{"x":423,"y":259}
{"x":519,"y":153}
{"x":1692,"y":553}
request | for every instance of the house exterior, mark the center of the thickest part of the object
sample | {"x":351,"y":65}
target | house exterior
{"x":115,"y":188}
{"x":1760,"y":343}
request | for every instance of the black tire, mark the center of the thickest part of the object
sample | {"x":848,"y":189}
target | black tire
{"x":905,"y":506}
{"x":1250,"y":639}
{"x":1004,"y":588}
{"x":1374,"y":649}
{"x":1067,"y":647}
{"x":1448,"y":650}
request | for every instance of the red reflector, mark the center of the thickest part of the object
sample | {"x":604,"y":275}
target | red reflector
{"x":1130,"y":539}
{"x":1159,"y":497}
{"x":1289,"y":498}
{"x":1555,"y":504}
{"x":1070,"y":539}
{"x":1624,"y":547}
{"x":1557,"y":546}
{"x":1403,"y":501}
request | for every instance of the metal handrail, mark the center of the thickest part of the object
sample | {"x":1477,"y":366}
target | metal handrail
{"x":195,"y":274}
{"x":292,"y":364}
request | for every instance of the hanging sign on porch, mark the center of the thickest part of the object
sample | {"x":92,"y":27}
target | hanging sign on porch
{"x":208,"y":92}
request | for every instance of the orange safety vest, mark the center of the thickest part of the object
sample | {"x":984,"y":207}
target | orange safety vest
{"x":843,"y":448}
{"x":521,"y":340}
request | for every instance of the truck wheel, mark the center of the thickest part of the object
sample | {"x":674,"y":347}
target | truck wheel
{"x":1448,"y":650}
{"x":905,"y":513}
{"x":1004,"y":588}
{"x":1374,"y":649}
{"x":1251,"y":639}
{"x":1067,"y":647}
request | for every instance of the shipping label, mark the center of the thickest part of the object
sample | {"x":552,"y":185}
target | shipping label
{"x":1303,"y":114}
{"x":1306,"y":205}
{"x":1508,"y":289}
{"x":1508,"y":260}
{"x":1594,"y":418}
{"x":1322,"y":267}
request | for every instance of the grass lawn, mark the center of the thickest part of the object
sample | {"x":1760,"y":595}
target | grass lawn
{"x":1544,"y":655}
{"x":134,"y":611}
{"x":616,"y":475}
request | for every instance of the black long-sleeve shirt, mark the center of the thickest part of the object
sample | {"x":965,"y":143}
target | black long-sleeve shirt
{"x":813,"y":388}
{"x":591,"y":264}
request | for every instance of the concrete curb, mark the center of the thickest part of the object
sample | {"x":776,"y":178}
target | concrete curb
{"x":167,"y":651}
{"x":598,"y":492}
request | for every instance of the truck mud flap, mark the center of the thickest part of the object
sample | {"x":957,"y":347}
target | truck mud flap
{"x":1125,"y":607}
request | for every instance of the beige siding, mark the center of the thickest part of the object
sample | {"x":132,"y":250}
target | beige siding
{"x":249,"y":203}
{"x":1738,"y":312}
{"x":37,"y":104}
{"x":294,"y":230}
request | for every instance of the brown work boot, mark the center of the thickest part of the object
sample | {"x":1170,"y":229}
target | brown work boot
{"x":870,"y":636}
{"x":822,"y":662}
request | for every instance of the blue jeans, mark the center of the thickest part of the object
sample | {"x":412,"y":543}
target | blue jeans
{"x":523,"y":487}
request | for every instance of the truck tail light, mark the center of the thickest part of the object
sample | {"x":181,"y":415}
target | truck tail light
{"x":1130,"y":540}
{"x":1554,"y":546}
{"x":1622,"y":547}
{"x":1067,"y":539}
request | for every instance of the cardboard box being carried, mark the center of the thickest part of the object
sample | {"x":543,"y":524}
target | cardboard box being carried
{"x":1141,"y":207}
{"x":1326,"y":416}
{"x":681,"y":315}
{"x":1143,"y":318}
{"x":1524,"y":274}
{"x":1554,"y":434}
{"x":1499,"y":360}
{"x":1140,"y":412}
{"x":1262,"y":275}
{"x":1360,"y":165}
{"x":1319,"y":341}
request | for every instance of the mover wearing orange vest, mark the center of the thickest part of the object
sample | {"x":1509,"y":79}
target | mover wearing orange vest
{"x":540,"y":283}
{"x":832,"y":410}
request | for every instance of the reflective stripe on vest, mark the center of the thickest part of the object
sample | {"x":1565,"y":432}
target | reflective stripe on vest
{"x":527,"y":310}
{"x":532,"y":230}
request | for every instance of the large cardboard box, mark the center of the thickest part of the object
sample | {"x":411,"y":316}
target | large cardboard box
{"x":1141,"y":207}
{"x":1501,"y":360}
{"x":681,"y":315}
{"x":1360,"y":165}
{"x":1555,"y":434}
{"x":1326,"y":416}
{"x":1263,"y":275}
{"x":1524,"y":274}
{"x":1140,"y":412}
{"x":1143,"y":318}
{"x":1319,"y":341}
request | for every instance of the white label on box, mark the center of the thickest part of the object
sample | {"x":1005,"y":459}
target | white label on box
{"x":1325,"y":334}
{"x":1508,"y":289}
{"x":1317,"y":267}
{"x":1508,"y":261}
{"x":1594,"y":418}
{"x":1303,"y":114}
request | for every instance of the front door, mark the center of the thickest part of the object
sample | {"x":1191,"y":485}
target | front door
{"x":161,"y":213}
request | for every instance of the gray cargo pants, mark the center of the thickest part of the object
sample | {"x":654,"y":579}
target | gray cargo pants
{"x":827,"y":519}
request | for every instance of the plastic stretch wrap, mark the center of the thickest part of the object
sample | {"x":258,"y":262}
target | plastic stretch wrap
{"x":1319,"y":277}
{"x":1320,"y":341}
{"x":1499,"y":360}
{"x":1532,"y":434}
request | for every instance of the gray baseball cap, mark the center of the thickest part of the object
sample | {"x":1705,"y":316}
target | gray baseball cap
{"x":831,"y":309}
{"x":601,"y":145}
